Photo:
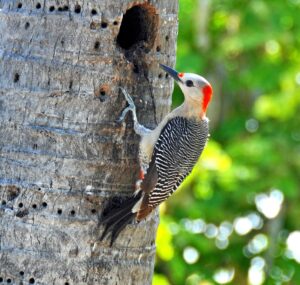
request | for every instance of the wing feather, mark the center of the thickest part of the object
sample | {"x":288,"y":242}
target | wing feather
{"x":176,"y":151}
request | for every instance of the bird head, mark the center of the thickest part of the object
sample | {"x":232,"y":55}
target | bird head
{"x":193,"y":86}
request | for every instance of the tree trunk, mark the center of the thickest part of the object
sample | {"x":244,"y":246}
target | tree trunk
{"x":62,"y":155}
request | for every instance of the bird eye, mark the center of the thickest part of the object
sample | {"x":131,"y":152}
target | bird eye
{"x":189,"y":83}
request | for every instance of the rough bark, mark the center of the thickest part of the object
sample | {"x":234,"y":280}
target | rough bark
{"x":61,"y":153}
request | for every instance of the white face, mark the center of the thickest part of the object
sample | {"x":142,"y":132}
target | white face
{"x":192,"y":85}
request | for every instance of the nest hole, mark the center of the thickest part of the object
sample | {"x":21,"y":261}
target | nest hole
{"x":139,"y":24}
{"x":34,"y":206}
{"x":8,"y":280}
{"x":51,"y":8}
{"x":38,"y":6}
{"x":19,"y":5}
{"x":73,"y":213}
{"x":21,"y":205}
{"x":59,"y":211}
{"x":44,"y":204}
{"x":94,"y":12}
{"x":31,"y":280}
{"x":3,"y":202}
{"x":21,"y":273}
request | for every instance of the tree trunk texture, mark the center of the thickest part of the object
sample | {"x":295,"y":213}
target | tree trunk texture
{"x":62,"y":155}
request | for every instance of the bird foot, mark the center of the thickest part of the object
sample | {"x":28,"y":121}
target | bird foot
{"x":130,"y":107}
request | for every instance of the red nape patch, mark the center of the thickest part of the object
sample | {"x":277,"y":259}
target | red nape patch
{"x":207,"y":94}
{"x":180,"y":74}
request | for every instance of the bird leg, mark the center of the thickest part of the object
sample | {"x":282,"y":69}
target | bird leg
{"x":138,"y":128}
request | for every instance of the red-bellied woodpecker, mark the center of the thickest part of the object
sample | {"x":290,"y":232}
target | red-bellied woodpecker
{"x":167,"y":154}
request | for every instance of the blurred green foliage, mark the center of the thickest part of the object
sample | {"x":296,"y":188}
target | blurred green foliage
{"x":236,"y":218}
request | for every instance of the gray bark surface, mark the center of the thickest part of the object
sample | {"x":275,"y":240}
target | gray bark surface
{"x":61,"y":153}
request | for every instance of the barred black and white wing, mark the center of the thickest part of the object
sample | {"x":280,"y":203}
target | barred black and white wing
{"x":176,"y":151}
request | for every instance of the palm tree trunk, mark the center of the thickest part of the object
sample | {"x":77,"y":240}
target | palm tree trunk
{"x":61,"y":153}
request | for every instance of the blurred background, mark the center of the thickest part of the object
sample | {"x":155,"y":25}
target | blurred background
{"x":236,"y":218}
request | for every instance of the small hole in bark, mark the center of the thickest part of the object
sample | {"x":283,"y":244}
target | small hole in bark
{"x":27,"y":25}
{"x":93,"y":26}
{"x":93,"y":211}
{"x":60,"y":9}
{"x":1,"y":279}
{"x":160,"y":75}
{"x":59,"y":211}
{"x":38,"y":6}
{"x":34,"y":206}
{"x":115,"y":23}
{"x":31,"y":280}
{"x":70,"y":84}
{"x":72,"y":213}
{"x":44,"y":204}
{"x":21,"y":273}
{"x":77,"y":9}
{"x":16,"y":77}
{"x":136,"y":69}
{"x":167,"y":76}
{"x":102,"y":92}
{"x":3,"y":202}
{"x":20,"y":205}
{"x":158,"y":48}
{"x":66,"y":8}
{"x":66,"y":283}
{"x":39,"y":189}
{"x":51,"y":8}
{"x":139,"y":24}
{"x":19,"y":5}
{"x":167,"y":38}
{"x":97,"y":45}
{"x":8,"y":280}
{"x":94,"y":12}
{"x":103,"y":25}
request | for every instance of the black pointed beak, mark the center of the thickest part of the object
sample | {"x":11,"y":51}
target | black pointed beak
{"x":172,"y":72}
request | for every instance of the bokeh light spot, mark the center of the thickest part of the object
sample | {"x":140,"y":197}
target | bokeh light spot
{"x":224,"y":275}
{"x":190,"y":255}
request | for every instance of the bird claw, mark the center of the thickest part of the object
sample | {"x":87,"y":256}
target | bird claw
{"x":128,"y":98}
{"x":123,"y":114}
{"x":131,"y":106}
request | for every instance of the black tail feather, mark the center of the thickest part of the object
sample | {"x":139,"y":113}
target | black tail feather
{"x":116,"y":217}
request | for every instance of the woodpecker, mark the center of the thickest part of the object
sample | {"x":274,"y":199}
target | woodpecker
{"x":167,"y":154}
